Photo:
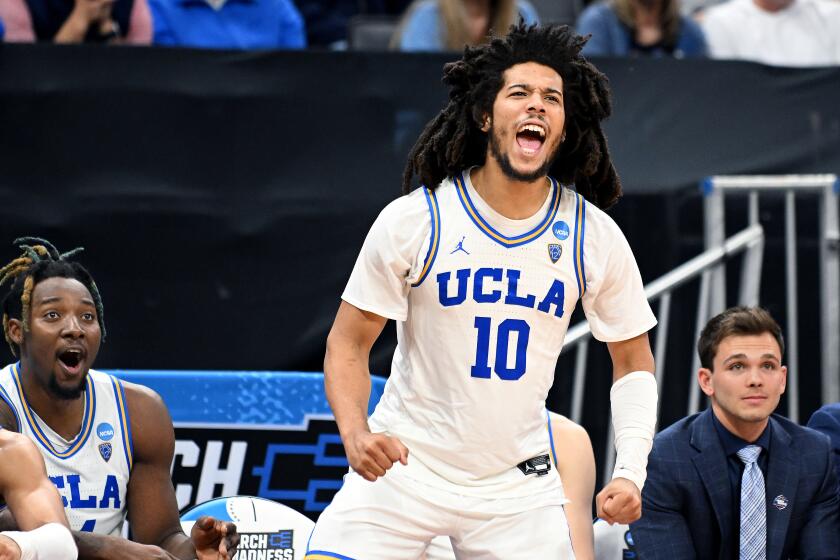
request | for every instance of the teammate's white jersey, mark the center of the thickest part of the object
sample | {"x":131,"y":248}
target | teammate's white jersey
{"x":482,"y":305}
{"x":91,"y":471}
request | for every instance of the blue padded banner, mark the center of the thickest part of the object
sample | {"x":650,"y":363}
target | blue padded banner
{"x":269,"y":398}
{"x":257,"y":433}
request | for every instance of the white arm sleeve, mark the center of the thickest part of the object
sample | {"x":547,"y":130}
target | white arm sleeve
{"x":52,"y":541}
{"x":633,"y":399}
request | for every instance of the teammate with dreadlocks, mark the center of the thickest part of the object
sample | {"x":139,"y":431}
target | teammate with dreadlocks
{"x":107,"y":444}
{"x":482,"y":269}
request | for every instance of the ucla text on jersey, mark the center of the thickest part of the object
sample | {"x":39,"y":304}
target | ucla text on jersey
{"x":90,"y":472}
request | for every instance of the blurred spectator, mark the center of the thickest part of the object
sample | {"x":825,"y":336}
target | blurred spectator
{"x":779,"y":32}
{"x":385,"y":7}
{"x":640,"y":28}
{"x":696,"y":9}
{"x":326,"y":21}
{"x":2,"y":30}
{"x":228,"y":24}
{"x":827,"y":421}
{"x":449,"y":25}
{"x":77,"y":21}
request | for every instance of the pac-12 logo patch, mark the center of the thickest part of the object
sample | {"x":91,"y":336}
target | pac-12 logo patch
{"x":105,"y":431}
{"x":554,"y":252}
{"x":105,"y":450}
{"x":560,"y":230}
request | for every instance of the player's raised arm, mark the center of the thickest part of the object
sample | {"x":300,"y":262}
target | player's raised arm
{"x":347,"y":380}
{"x":33,"y":499}
{"x":8,"y":422}
{"x":27,"y":491}
{"x":633,"y":401}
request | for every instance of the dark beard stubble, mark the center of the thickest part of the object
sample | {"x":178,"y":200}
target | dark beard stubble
{"x":507,"y":168}
{"x":65,"y":393}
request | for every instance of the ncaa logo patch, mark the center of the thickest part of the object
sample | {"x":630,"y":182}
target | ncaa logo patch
{"x":780,"y":502}
{"x":554,"y":252}
{"x":105,"y":450}
{"x":560,"y":230}
{"x":105,"y":431}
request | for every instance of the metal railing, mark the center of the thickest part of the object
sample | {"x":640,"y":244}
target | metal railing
{"x":827,"y":187}
{"x":750,"y":239}
{"x":710,"y":268}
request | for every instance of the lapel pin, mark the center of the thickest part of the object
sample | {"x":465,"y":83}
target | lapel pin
{"x":780,"y":502}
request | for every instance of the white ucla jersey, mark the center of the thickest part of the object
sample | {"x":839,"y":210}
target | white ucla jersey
{"x":91,"y":471}
{"x":482,"y":305}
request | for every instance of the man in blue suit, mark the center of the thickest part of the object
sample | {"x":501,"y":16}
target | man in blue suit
{"x":827,"y":421}
{"x":735,"y":481}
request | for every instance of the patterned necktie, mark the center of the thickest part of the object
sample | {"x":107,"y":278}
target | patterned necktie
{"x":753,"y":544}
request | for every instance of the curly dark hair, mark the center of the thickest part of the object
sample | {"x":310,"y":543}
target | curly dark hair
{"x":41,"y":260}
{"x":453,"y":140}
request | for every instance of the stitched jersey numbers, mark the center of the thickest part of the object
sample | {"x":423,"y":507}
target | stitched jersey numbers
{"x":511,"y":340}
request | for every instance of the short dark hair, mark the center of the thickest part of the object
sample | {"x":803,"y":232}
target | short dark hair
{"x":735,"y":321}
{"x":454,"y":141}
{"x":41,"y":260}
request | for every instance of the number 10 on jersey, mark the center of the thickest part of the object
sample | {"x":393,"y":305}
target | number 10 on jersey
{"x":504,"y":333}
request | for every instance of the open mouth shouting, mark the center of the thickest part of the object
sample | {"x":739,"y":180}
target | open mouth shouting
{"x":530,"y":137}
{"x":71,"y":360}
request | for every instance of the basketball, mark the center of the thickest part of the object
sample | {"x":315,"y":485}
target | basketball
{"x":268,"y":530}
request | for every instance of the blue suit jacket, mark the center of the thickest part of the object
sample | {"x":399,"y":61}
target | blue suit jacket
{"x":827,"y":421}
{"x":687,"y":509}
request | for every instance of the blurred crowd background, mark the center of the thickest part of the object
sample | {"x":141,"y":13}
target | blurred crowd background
{"x":777,"y":32}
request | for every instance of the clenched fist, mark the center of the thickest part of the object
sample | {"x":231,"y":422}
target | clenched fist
{"x":620,"y":501}
{"x":371,"y":455}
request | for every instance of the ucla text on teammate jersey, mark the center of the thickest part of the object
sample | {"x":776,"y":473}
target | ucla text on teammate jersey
{"x":110,"y":498}
{"x":91,"y":471}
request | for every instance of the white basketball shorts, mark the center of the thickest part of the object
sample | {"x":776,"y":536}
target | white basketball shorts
{"x":396,"y":518}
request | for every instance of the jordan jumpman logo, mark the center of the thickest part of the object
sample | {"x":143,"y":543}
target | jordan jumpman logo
{"x":460,"y":247}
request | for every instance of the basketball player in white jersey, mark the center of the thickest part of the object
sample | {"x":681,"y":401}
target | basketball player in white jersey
{"x":33,"y":500}
{"x":481,"y":271}
{"x":107,"y":444}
